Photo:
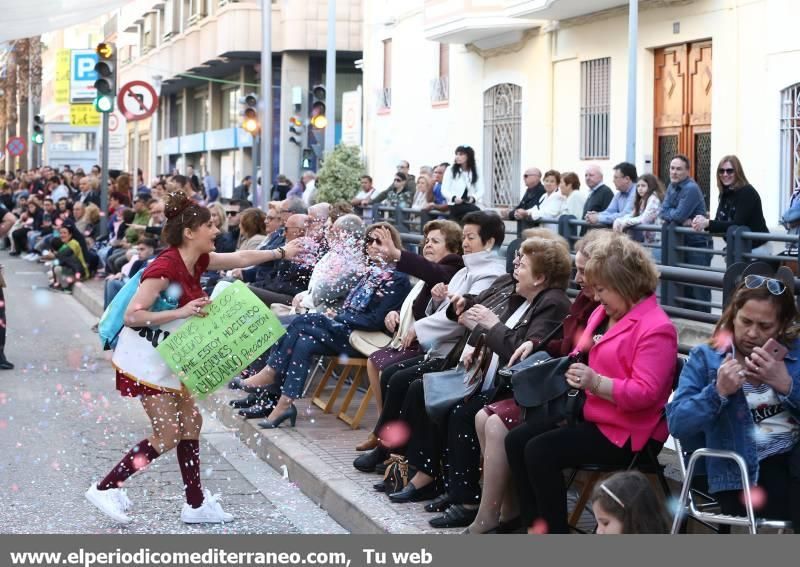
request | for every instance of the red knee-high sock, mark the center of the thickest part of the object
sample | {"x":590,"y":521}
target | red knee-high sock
{"x":189,"y":461}
{"x":140,"y":455}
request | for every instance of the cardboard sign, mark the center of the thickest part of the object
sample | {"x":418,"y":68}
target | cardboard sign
{"x":206,"y":352}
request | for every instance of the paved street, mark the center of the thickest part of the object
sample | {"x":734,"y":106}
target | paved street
{"x":62,"y":425}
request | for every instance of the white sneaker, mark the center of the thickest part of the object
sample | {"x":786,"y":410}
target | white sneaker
{"x":31,"y":257}
{"x":124,"y":501}
{"x":210,"y":512}
{"x":109,"y":502}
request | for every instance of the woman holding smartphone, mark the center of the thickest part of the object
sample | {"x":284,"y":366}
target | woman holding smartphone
{"x":745,"y":397}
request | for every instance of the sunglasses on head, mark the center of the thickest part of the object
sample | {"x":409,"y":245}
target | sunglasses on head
{"x":775,"y":287}
{"x":726,"y":171}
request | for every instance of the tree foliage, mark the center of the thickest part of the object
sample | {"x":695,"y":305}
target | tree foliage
{"x":338,"y":179}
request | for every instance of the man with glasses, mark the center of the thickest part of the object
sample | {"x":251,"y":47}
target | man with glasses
{"x":398,"y":193}
{"x":276,"y":237}
{"x":682,"y":203}
{"x":404,"y":168}
{"x":531,"y":199}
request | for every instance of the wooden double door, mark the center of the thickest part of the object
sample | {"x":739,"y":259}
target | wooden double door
{"x":682,"y":111}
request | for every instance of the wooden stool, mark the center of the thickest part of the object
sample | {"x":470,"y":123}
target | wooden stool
{"x":354,"y":420}
{"x":356,"y":365}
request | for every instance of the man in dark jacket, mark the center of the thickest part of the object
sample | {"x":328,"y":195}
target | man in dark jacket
{"x":600,"y":195}
{"x":287,"y":278}
{"x":534,"y":192}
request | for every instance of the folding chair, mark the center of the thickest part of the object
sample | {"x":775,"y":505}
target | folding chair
{"x":354,"y":420}
{"x":349,"y":366}
{"x":687,"y":508}
{"x":645,"y":461}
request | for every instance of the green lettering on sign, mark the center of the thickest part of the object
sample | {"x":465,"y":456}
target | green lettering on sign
{"x":206,"y":352}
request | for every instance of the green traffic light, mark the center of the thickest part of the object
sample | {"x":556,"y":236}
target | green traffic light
{"x":38,"y":138}
{"x":104,"y":103}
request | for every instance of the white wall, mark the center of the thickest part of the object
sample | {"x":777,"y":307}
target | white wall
{"x":756,"y":54}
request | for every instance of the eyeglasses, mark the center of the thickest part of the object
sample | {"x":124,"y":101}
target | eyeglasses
{"x":372,"y":240}
{"x":726,"y":171}
{"x":398,"y":180}
{"x":231,"y":213}
{"x":775,"y":287}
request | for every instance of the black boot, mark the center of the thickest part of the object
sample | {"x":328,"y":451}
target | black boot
{"x":4,"y":363}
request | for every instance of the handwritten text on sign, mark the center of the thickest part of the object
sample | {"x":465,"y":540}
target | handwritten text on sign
{"x":207,"y":352}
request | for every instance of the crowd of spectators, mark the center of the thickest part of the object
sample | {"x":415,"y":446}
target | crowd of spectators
{"x":457,"y":304}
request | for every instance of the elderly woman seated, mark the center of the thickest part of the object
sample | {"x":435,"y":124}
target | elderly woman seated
{"x":482,"y":235}
{"x":526,"y":305}
{"x":632,"y":350}
{"x":499,"y":507}
{"x":380,"y":289}
{"x":741,"y":392}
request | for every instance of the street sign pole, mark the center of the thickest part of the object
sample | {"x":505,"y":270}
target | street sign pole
{"x":266,"y":99}
{"x":330,"y":79}
{"x":104,"y":178}
{"x":254,"y":183}
{"x":135,"y":157}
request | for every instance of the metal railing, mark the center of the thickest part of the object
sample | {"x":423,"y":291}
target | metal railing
{"x":678,"y":276}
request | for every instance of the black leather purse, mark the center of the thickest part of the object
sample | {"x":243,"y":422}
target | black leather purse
{"x":541,"y":390}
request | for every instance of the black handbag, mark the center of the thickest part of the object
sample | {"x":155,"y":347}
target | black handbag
{"x":534,"y":357}
{"x":542,"y":392}
{"x":443,"y":390}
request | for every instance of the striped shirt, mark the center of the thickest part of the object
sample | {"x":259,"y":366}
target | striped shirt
{"x":776,"y":430}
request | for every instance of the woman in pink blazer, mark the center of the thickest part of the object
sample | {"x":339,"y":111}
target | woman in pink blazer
{"x":633,"y":348}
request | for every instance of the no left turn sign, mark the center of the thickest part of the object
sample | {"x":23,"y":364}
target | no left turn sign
{"x":137,"y":100}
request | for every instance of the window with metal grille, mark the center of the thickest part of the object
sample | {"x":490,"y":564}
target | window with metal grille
{"x":595,"y":108}
{"x":790,"y":143}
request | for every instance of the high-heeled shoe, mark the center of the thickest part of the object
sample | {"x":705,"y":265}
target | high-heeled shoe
{"x":291,"y":415}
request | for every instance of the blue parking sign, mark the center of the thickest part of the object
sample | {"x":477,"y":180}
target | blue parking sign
{"x":82,"y":76}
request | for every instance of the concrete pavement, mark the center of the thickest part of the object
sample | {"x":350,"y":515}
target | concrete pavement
{"x":63,"y":425}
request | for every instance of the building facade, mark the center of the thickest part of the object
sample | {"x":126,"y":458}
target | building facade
{"x":544,"y":83}
{"x":204,"y":55}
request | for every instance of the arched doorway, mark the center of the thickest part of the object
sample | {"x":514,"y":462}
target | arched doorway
{"x":502,"y":116}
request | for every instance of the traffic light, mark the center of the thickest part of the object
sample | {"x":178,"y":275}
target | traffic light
{"x":296,"y":130}
{"x":38,"y":129}
{"x":106,"y":83}
{"x":249,"y":113}
{"x":318,"y":119}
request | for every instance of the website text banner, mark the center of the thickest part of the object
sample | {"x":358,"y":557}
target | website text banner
{"x":392,"y":550}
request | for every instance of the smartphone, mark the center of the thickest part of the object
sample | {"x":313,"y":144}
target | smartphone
{"x":775,"y":349}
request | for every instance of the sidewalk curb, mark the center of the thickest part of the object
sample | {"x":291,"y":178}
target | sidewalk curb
{"x":343,"y":499}
{"x":91,"y":300}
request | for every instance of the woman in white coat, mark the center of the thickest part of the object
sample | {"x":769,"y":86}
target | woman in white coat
{"x":461,"y":185}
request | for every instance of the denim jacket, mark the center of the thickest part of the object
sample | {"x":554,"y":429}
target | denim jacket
{"x":700,"y":417}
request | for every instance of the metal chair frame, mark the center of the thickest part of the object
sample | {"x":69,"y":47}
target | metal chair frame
{"x":688,"y":508}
